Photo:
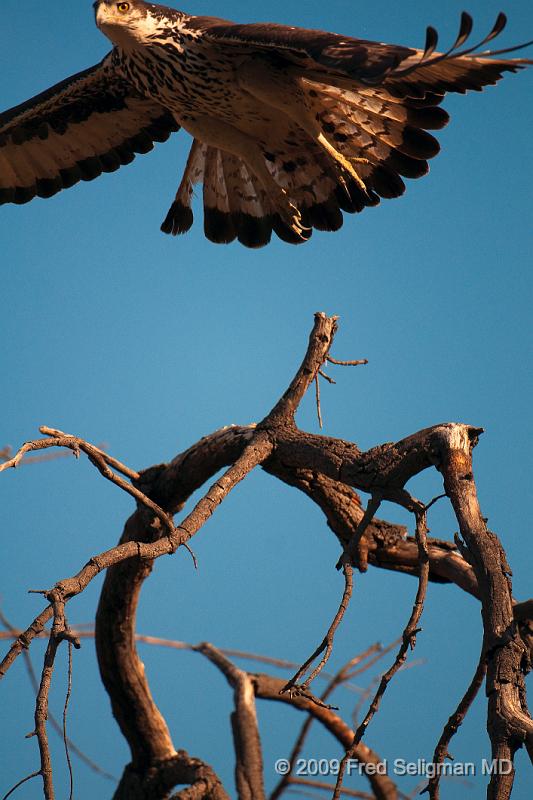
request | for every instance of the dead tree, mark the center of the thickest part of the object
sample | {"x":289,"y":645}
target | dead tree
{"x":329,"y":471}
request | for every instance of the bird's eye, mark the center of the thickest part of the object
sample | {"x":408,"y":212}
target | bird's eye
{"x":123,"y":7}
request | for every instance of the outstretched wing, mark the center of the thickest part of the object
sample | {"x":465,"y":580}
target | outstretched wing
{"x":89,"y":123}
{"x":374,"y":104}
{"x":342,"y":61}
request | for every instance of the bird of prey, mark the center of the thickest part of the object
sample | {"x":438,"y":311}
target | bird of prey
{"x":290,"y":127}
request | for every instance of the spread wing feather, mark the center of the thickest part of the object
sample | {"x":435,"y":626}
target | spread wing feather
{"x":89,"y":123}
{"x":236,"y":205}
{"x":374,"y":104}
{"x":341,"y":60}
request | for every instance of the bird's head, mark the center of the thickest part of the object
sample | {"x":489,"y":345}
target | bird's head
{"x":126,"y":24}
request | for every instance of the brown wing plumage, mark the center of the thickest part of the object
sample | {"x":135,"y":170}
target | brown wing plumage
{"x":331,"y":52}
{"x":374,"y":104}
{"x":88,"y":124}
{"x":331,"y":124}
{"x":373,"y":63}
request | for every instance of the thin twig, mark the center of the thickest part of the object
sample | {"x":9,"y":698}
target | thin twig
{"x":65,"y":710}
{"x":7,"y":453}
{"x":320,"y":341}
{"x":24,"y":640}
{"x":254,"y":453}
{"x":74,"y":443}
{"x":173,"y":645}
{"x":317,"y":398}
{"x":378,"y":657}
{"x":41,"y":715}
{"x":327,"y":377}
{"x":327,"y":642}
{"x":452,"y":726}
{"x":408,"y":640}
{"x":352,"y":552}
{"x":102,"y":461}
{"x":99,"y":449}
{"x":360,"y":362}
{"x":327,"y":787}
{"x":268,"y":688}
{"x":365,"y":694}
{"x":20,"y":783}
{"x":435,"y":500}
{"x":13,"y":632}
{"x":340,"y":677}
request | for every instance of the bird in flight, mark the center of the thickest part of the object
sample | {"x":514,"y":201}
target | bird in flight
{"x":290,"y":127}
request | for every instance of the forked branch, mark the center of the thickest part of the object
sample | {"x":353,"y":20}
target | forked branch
{"x":329,"y":471}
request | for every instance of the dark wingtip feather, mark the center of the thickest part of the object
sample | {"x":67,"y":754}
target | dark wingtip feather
{"x":347,"y":203}
{"x":407,"y":166}
{"x":141,"y":143}
{"x":432,"y":40}
{"x":499,"y":25}
{"x":125,"y":153}
{"x":431,"y":118}
{"x":178,"y":220}
{"x":465,"y":29}
{"x":23,"y":194}
{"x":353,"y":200}
{"x":90,"y":168}
{"x":253,"y":231}
{"x":7,"y":196}
{"x":418,"y":144}
{"x":70,"y":176}
{"x":110,"y":161}
{"x":386,"y":182}
{"x":325,"y":216}
{"x":48,"y":187}
{"x":218,"y":226}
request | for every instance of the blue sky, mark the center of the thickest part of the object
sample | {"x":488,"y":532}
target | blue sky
{"x":114,"y":332}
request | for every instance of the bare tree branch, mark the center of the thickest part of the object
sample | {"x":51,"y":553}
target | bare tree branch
{"x":340,"y":677}
{"x":41,"y":714}
{"x":452,"y":726}
{"x":409,"y":641}
{"x":328,"y":470}
{"x":60,"y":439}
{"x":24,"y":640}
{"x":249,"y":758}
{"x":320,"y":341}
{"x":65,"y":711}
{"x":14,"y":633}
{"x":327,"y":642}
{"x":268,"y":688}
{"x":327,"y":787}
{"x":21,"y":783}
{"x":509,"y":722}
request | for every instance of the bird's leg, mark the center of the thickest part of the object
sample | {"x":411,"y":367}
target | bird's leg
{"x":342,"y":161}
{"x":217,"y":133}
{"x":280,"y":89}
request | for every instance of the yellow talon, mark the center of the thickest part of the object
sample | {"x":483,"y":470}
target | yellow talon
{"x":345,"y":163}
{"x":291,"y":215}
